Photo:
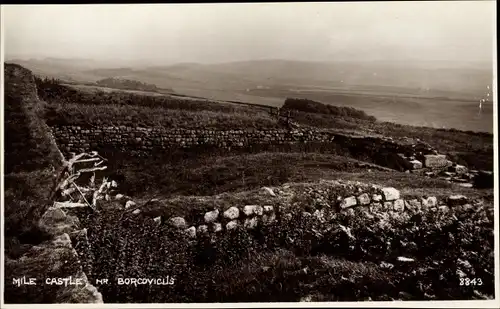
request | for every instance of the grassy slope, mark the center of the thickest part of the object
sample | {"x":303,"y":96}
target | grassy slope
{"x":208,"y":175}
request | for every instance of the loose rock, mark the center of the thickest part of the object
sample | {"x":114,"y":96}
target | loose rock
{"x":177,"y":222}
{"x":129,"y":204}
{"x":399,"y":205}
{"x":251,"y":223}
{"x":191,"y":232}
{"x":377,"y":197}
{"x":456,"y":200}
{"x":217,"y":227}
{"x":211,"y":216}
{"x":232,"y":213}
{"x":428,"y":202}
{"x":390,"y":194}
{"x":269,"y":191}
{"x":232,"y":225}
{"x":364,"y":199}
{"x":348,"y":202}
{"x":202,"y":229}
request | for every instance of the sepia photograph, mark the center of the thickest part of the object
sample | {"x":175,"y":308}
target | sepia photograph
{"x":250,"y":154}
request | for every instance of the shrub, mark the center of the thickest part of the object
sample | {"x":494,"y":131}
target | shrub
{"x":309,"y":106}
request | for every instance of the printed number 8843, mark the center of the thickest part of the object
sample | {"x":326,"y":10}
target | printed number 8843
{"x":468,"y":281}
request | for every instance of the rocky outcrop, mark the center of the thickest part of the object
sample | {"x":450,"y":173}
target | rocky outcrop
{"x":437,"y":161}
{"x":49,"y":273}
{"x":53,"y":271}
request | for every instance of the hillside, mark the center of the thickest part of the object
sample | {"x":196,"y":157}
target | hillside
{"x":238,"y":203}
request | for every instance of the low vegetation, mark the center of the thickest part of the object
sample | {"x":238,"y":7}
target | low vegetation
{"x":472,"y":149}
{"x":52,"y":90}
{"x":215,"y":173}
{"x":122,"y":83}
{"x":287,"y":261}
{"x":159,"y":117}
{"x":310,"y":106}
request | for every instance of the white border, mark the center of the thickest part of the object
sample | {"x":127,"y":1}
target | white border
{"x":401,"y":304}
{"x":2,"y":260}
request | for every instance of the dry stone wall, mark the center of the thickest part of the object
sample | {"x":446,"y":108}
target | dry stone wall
{"x":323,"y":207}
{"x":79,"y":139}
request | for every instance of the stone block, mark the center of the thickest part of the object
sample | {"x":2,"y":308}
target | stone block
{"x":390,"y":194}
{"x":416,"y":164}
{"x":364,"y":199}
{"x":250,"y":210}
{"x":436,"y":161}
{"x":202,"y":230}
{"x":232,"y":225}
{"x":268,"y":218}
{"x":348,"y":202}
{"x":399,"y":205}
{"x":428,"y":202}
{"x":191,"y":232}
{"x":232,"y":213}
{"x":211,"y":216}
{"x":178,"y":222}
{"x":268,"y":209}
{"x":157,"y":220}
{"x":217,"y":227}
{"x":413,"y":205}
{"x":456,"y":200}
{"x":129,"y":204}
{"x":376,"y":197}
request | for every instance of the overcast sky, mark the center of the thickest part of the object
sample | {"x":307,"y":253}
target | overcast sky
{"x":166,"y":33}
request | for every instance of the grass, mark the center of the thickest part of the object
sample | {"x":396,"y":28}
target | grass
{"x":472,"y":149}
{"x":208,"y":175}
{"x":51,"y":90}
{"x":158,"y":117}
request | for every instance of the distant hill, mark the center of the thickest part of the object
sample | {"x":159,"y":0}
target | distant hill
{"x":432,"y":79}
